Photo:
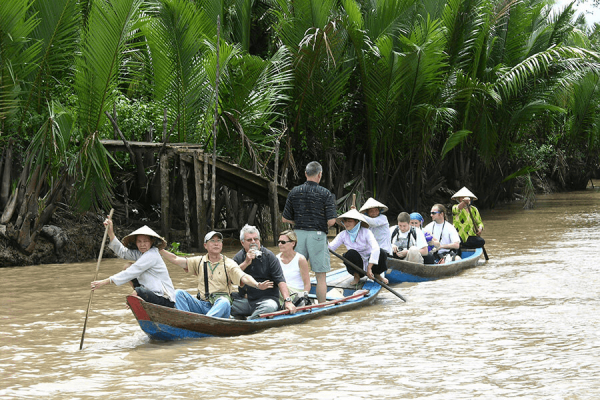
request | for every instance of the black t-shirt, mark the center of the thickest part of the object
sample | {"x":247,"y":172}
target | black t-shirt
{"x":263,"y":268}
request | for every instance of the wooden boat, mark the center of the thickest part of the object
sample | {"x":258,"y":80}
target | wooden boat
{"x":163,"y":323}
{"x":405,"y":271}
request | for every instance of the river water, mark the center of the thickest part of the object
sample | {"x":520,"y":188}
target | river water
{"x":525,"y":325}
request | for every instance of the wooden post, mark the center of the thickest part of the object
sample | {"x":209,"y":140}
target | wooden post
{"x":126,"y":201}
{"x":164,"y":196}
{"x":186,"y":200}
{"x":200,"y":203}
{"x":213,"y":195}
{"x":205,"y":194}
{"x":274,"y":204}
{"x":274,"y":198}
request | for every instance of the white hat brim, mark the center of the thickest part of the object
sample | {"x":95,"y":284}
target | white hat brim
{"x":372,"y":203}
{"x":464,"y":192}
{"x":129,"y":240}
{"x":353,"y":214}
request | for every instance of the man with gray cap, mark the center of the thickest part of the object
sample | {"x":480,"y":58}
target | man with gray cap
{"x":215,"y":274}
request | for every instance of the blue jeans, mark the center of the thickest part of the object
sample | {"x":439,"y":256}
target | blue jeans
{"x":243,"y":307}
{"x":186,"y":302}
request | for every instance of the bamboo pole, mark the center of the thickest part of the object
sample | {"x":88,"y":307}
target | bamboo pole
{"x":95,"y":278}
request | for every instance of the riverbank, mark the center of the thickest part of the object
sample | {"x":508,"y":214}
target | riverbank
{"x":72,"y":238}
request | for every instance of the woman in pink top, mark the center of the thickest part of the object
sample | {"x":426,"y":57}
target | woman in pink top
{"x":363,"y":250}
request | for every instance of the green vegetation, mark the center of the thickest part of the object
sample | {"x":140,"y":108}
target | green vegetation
{"x":396,"y":98}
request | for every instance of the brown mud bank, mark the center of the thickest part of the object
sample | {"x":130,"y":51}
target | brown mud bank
{"x":67,"y":239}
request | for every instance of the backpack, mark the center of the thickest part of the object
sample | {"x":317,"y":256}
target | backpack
{"x":411,"y":232}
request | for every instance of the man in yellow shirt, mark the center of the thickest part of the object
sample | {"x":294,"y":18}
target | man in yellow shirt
{"x":215,"y":274}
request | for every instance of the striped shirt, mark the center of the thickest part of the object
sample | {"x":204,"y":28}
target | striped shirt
{"x":310,"y":206}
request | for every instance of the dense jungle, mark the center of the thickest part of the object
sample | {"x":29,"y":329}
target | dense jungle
{"x":403,"y":100}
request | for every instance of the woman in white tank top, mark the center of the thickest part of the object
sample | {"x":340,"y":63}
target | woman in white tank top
{"x":294,"y":265}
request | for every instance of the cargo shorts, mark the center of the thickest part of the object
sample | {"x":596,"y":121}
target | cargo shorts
{"x":314,"y":246}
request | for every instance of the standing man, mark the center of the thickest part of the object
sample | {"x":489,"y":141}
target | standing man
{"x":311,"y":209}
{"x":215,"y":273}
{"x":262,"y":265}
{"x":467,"y":220}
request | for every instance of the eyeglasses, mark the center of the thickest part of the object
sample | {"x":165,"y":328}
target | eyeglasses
{"x":253,"y":239}
{"x":285,"y":241}
{"x":435,"y":212}
{"x":215,"y":240}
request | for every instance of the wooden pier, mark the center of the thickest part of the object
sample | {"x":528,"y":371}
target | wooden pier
{"x":193,"y":161}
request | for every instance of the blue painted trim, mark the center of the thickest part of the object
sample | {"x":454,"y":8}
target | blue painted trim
{"x":165,"y":332}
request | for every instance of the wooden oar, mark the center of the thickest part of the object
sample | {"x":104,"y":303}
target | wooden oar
{"x":473,"y":221}
{"x":95,"y":278}
{"x":356,"y":295}
{"x":360,"y":270}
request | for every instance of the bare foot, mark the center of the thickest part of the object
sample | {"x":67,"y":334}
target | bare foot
{"x":356,"y":279}
{"x":384,"y":280}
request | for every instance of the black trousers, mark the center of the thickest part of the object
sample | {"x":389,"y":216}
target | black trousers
{"x":473,"y":242}
{"x":354,"y":257}
{"x":152,"y":297}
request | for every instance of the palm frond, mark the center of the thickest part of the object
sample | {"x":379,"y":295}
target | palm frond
{"x":177,"y":41}
{"x":111,"y":31}
{"x":18,"y":53}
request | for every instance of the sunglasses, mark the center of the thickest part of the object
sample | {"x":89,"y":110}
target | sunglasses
{"x":435,"y":212}
{"x":285,"y":241}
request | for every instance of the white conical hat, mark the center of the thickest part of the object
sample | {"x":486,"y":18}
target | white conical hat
{"x":129,"y":240}
{"x":354,"y":215}
{"x":464,"y":192}
{"x":372,"y":203}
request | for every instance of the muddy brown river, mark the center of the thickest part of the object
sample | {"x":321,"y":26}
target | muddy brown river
{"x":525,"y":325}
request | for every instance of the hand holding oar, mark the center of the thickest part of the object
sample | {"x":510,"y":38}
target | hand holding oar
{"x":95,"y":277}
{"x":360,"y":270}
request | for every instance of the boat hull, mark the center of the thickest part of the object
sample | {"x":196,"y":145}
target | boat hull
{"x":405,"y":271}
{"x":163,"y":323}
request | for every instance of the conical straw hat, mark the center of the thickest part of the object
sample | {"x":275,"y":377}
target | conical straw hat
{"x":354,"y":215}
{"x":372,"y":203}
{"x":464,"y":192}
{"x":129,"y":240}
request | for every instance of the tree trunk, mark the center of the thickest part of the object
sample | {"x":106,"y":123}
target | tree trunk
{"x":6,"y":174}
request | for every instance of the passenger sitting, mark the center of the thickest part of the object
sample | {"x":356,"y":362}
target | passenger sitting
{"x":417,"y":221}
{"x":294,"y":265}
{"x":260,"y":263}
{"x":408,"y":242}
{"x":445,"y":237}
{"x":215,"y":274}
{"x":378,"y":223}
{"x":363,"y":250}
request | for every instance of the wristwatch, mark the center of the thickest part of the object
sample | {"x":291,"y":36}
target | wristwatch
{"x":288,"y":299}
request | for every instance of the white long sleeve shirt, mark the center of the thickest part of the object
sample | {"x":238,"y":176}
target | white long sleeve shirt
{"x":149,"y":269}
